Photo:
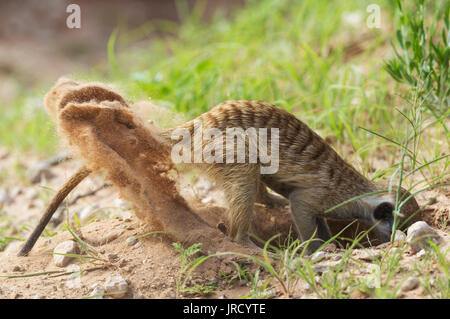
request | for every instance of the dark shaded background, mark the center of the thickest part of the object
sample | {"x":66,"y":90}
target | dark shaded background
{"x":37,"y":46}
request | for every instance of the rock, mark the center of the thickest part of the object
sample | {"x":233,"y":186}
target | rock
{"x":421,"y":253}
{"x":131,"y":241}
{"x":399,"y":236}
{"x":31,"y":194}
{"x":116,"y":285}
{"x":419,"y":234}
{"x":137,"y":245}
{"x":16,"y":191}
{"x":5,"y":198}
{"x":367,"y":254}
{"x":98,"y":292}
{"x":410,"y":284}
{"x":66,"y":247}
{"x":318,"y":256}
{"x":13,"y":248}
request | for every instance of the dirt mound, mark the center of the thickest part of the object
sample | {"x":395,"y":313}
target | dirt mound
{"x":108,"y":136}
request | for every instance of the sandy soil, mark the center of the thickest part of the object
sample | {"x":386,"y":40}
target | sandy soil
{"x":151,"y":268}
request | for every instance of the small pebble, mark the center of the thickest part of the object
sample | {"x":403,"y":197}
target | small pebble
{"x":318,"y":256}
{"x":98,"y":292}
{"x":117,"y":285}
{"x":5,"y":198}
{"x":31,"y":194}
{"x":16,"y":191}
{"x":410,"y":284}
{"x":66,"y":247}
{"x":131,"y":241}
{"x":418,"y":235}
{"x":421,"y":253}
{"x":399,"y":236}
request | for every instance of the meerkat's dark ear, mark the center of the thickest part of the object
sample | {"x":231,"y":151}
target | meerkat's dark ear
{"x":383,"y":211}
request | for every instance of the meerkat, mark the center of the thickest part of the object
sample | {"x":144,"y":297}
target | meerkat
{"x":311,"y":177}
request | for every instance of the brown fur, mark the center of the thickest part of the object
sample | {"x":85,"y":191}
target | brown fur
{"x":311,"y":174}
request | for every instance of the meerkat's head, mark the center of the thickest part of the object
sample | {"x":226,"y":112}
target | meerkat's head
{"x":381,"y":213}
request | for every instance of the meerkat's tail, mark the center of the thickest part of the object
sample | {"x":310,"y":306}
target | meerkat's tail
{"x":68,"y":186}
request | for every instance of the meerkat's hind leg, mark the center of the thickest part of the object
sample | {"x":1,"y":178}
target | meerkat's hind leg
{"x":268,"y":199}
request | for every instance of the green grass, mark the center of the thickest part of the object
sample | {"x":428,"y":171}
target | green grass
{"x":26,"y":127}
{"x":285,"y":52}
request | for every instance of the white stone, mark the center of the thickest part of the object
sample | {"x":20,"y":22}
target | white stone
{"x":410,"y":284}
{"x":66,"y":247}
{"x":399,"y":236}
{"x":421,"y":253}
{"x":16,"y":191}
{"x":31,"y":194}
{"x":13,"y":248}
{"x":418,"y":235}
{"x":131,"y":241}
{"x":116,"y":285}
{"x":318,"y":256}
{"x":5,"y":198}
{"x":98,"y":292}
